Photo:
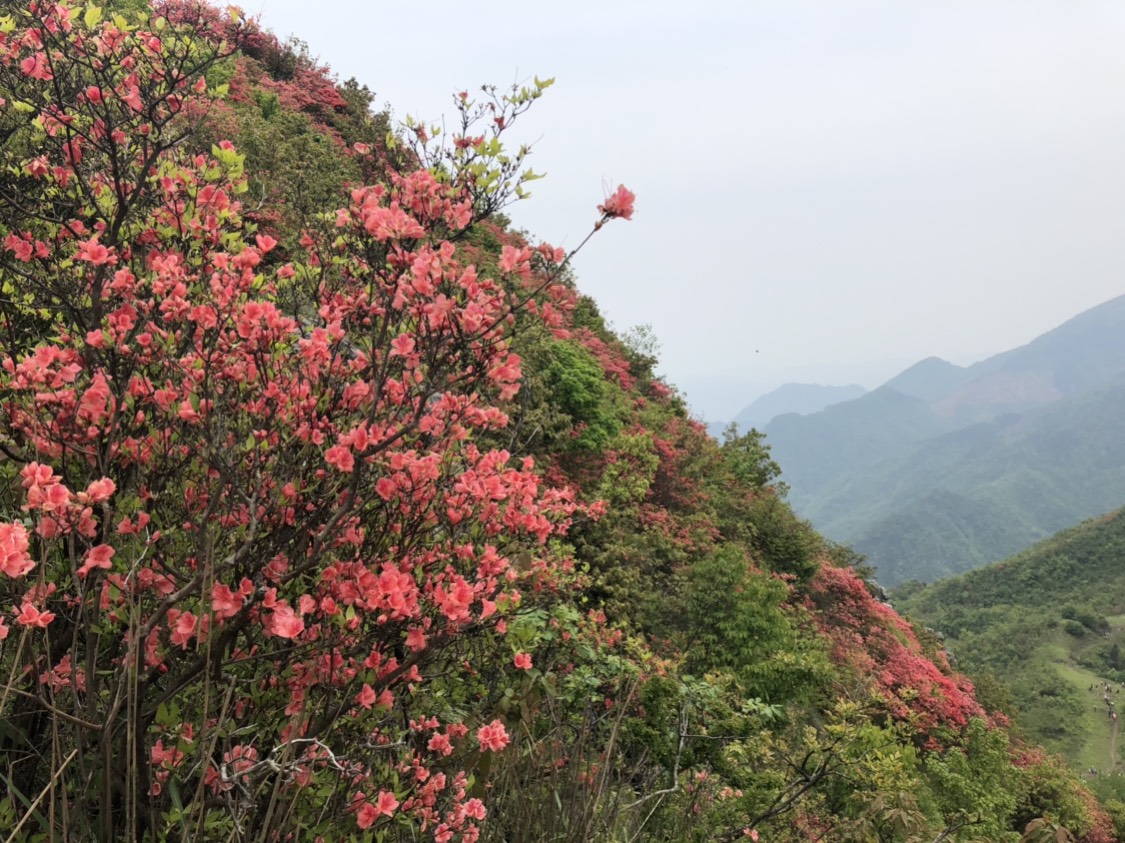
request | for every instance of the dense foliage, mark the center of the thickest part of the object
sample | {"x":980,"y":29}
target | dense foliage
{"x":332,"y":511}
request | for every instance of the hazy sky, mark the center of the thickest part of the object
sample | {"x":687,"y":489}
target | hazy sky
{"x":826,"y":191}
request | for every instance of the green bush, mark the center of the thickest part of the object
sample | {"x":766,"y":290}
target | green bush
{"x":579,"y":388}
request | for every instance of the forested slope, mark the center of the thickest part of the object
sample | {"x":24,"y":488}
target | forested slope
{"x":333,"y":511}
{"x":1049,"y":623}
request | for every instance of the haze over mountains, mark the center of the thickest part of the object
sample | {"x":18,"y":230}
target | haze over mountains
{"x":802,"y":398}
{"x":945,"y":467}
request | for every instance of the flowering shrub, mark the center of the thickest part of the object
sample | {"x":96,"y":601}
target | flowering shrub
{"x":872,"y":640}
{"x":243,"y":529}
{"x":291,"y":495}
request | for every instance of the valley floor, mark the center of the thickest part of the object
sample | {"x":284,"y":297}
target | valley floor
{"x":1099,"y":749}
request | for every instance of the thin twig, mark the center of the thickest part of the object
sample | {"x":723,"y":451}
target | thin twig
{"x":31,"y":808}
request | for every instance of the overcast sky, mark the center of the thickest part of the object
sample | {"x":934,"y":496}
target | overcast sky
{"x":826,"y":192}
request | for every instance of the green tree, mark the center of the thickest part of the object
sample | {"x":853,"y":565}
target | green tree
{"x":748,"y":458}
{"x":738,"y":624}
{"x":578,"y":387}
{"x":975,"y":784}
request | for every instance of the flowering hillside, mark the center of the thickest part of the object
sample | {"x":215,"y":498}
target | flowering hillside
{"x":333,"y":511}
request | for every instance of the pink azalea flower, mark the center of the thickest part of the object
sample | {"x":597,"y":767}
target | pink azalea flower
{"x":391,"y":224}
{"x":366,"y":815}
{"x":37,"y":167}
{"x":620,"y":204}
{"x":285,"y":623}
{"x":15,"y":561}
{"x":522,"y":661}
{"x":30,"y":616}
{"x":366,"y":696}
{"x":132,"y":97}
{"x":402,"y":345}
{"x":187,"y":412}
{"x":386,"y":803}
{"x":440,"y":743}
{"x":36,"y":67}
{"x":94,"y":252}
{"x":416,"y":639}
{"x":23,"y":248}
{"x":97,"y":557}
{"x":184,"y":629}
{"x":100,"y":490}
{"x":341,"y":458}
{"x":224,"y":602}
{"x":493,"y":737}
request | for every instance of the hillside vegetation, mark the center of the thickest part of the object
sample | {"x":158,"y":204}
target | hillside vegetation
{"x":331,"y":510}
{"x":1050,"y":624}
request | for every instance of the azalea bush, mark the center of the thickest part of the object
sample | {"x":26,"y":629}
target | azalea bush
{"x":332,"y":511}
{"x":258,"y":556}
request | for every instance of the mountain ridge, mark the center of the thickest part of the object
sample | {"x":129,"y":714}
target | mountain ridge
{"x":800,"y":398}
{"x":988,"y":458}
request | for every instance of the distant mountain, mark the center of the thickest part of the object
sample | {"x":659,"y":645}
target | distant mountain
{"x":800,"y":398}
{"x":998,"y":393}
{"x":982,"y":493}
{"x":1050,"y":624}
{"x":930,"y":379}
{"x":819,"y":450}
{"x":945,"y":467}
{"x":1081,"y":354}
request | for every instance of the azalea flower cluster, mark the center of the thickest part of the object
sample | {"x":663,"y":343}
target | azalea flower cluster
{"x":296,"y":501}
{"x":874,"y":641}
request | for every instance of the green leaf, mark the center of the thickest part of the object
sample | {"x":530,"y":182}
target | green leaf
{"x":93,"y":16}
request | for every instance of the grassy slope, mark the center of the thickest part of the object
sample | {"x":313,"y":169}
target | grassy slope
{"x":1009,"y":619}
{"x":1093,"y":738}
